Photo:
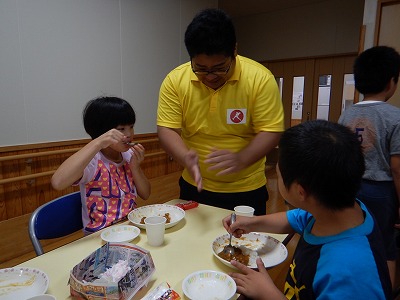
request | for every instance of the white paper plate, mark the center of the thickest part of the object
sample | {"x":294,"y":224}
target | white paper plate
{"x":22,"y":283}
{"x":270,"y":250}
{"x":209,"y":285}
{"x":120,"y":233}
{"x":175,"y":213}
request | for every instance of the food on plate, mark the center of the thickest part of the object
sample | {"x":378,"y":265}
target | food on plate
{"x":238,"y":255}
{"x":166,"y":215}
{"x":28,"y":282}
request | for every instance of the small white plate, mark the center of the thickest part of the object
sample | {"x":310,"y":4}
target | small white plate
{"x":138,"y":214}
{"x":270,"y":250}
{"x":22,"y":283}
{"x":209,"y":285}
{"x":120,"y":233}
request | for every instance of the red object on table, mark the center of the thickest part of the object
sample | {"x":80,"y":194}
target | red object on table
{"x":188,"y":205}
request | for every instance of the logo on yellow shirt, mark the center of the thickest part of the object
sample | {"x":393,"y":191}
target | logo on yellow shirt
{"x":236,"y":116}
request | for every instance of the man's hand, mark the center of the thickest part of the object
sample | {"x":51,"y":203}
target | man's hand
{"x":192,"y":165}
{"x":224,"y":160}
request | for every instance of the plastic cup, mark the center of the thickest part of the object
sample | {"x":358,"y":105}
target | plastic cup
{"x":155,"y":229}
{"x":244,"y":210}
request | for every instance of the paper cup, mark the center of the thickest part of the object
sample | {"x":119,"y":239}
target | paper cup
{"x":244,"y":210}
{"x":155,"y":229}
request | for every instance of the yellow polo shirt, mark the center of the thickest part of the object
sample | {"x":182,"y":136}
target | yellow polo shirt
{"x":227,"y":118}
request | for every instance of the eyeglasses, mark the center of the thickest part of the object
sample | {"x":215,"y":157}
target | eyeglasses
{"x":216,"y":72}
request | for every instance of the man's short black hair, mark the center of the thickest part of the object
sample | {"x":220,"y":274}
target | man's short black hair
{"x":325,"y":158}
{"x":105,"y":113}
{"x":374,"y":68}
{"x":211,"y":32}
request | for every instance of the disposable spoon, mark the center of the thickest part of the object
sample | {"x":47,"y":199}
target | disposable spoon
{"x":229,"y":249}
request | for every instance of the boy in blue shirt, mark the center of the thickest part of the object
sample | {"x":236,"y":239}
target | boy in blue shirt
{"x":340,"y":253}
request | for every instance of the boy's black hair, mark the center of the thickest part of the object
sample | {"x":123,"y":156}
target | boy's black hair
{"x":211,"y":32}
{"x":325,"y":158}
{"x":105,"y":113}
{"x":374,"y":68}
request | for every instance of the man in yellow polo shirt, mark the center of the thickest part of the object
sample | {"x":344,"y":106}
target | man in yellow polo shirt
{"x":219,"y":115}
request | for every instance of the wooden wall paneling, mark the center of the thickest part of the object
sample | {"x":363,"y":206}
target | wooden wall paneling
{"x":308,"y":89}
{"x":153,"y":166}
{"x":172,"y":166}
{"x":163,"y":188}
{"x":287,"y":91}
{"x":41,"y":186}
{"x":299,"y":67}
{"x":29,"y":196}
{"x":305,"y":68}
{"x":311,"y":68}
{"x":28,"y":192}
{"x":348,"y":64}
{"x":341,"y":66}
{"x":275,"y":67}
{"x":335,"y":104}
{"x":3,"y":212}
{"x":323,"y":66}
{"x":13,"y":198}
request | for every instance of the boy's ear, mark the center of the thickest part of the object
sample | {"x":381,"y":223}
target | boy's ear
{"x":390,"y":89}
{"x":391,"y":84}
{"x":301,"y":192}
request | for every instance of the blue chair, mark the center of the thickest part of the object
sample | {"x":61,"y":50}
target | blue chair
{"x":57,"y":218}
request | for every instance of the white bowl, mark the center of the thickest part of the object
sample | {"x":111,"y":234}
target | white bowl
{"x":209,"y":285}
{"x":138,"y":215}
{"x":120,"y":233}
{"x":22,"y":283}
{"x":270,"y":250}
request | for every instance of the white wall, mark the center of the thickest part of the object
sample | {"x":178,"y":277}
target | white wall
{"x":322,"y":28}
{"x":55,"y":55}
{"x":369,"y":19}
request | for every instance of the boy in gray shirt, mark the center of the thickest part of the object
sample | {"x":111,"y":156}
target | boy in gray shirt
{"x":377,"y":125}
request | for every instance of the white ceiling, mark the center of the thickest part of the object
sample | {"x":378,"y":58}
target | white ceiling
{"x":240,"y":8}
